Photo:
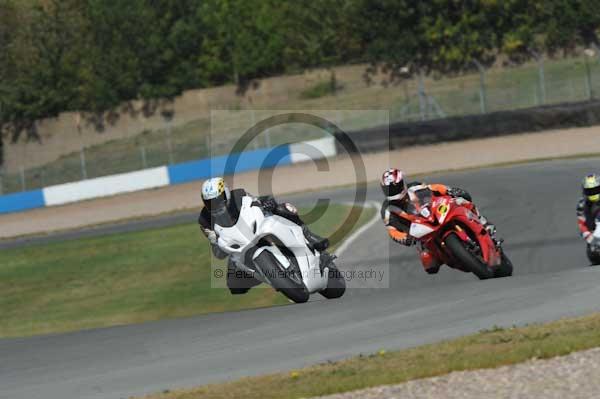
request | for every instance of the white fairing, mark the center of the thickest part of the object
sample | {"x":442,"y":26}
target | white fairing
{"x":418,"y":230}
{"x":252,"y":225}
{"x":597,"y":232}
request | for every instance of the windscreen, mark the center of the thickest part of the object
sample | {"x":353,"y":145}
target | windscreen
{"x":419,"y":200}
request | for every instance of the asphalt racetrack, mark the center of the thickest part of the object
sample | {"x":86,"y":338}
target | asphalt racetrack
{"x":533,"y":206}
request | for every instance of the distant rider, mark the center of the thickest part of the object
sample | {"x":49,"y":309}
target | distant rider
{"x":397,"y":207}
{"x":222,"y":207}
{"x":588,"y":208}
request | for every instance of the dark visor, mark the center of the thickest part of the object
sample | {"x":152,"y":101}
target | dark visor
{"x":591,"y":191}
{"x":215,"y":203}
{"x":392,"y":190}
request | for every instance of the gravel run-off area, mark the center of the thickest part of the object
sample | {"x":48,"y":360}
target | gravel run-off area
{"x":575,"y":376}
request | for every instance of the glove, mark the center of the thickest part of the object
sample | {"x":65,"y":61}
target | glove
{"x":408,"y":241}
{"x":459,"y":193}
{"x":268,"y":204}
{"x":210,"y":234}
{"x":212,"y":237}
{"x":589,"y":238}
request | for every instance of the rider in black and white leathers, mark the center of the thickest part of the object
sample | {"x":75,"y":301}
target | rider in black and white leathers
{"x":224,"y":206}
{"x":588,"y":208}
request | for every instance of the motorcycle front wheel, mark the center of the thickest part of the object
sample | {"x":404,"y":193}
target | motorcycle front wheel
{"x":506,"y":267}
{"x":466,"y":258}
{"x":287,"y":281}
{"x":593,"y":256}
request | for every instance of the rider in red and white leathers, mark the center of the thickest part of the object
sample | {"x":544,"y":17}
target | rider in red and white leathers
{"x":398,"y":202}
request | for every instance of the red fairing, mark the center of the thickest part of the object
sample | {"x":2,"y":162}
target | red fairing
{"x":446,"y":215}
{"x":473,"y":229}
{"x":427,"y":259}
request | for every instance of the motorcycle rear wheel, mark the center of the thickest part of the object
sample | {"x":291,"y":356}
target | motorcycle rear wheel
{"x":466,"y":258}
{"x":288,"y":282}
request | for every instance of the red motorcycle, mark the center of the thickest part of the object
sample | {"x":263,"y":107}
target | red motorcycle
{"x":451,"y":233}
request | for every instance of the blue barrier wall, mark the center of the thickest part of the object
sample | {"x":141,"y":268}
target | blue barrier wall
{"x":242,"y":162}
{"x":22,"y":201}
{"x":262,"y":158}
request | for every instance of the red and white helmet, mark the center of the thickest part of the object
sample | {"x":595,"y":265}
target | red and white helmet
{"x":393,"y":185}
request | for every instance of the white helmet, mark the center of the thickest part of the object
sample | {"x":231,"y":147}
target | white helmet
{"x":215,"y":193}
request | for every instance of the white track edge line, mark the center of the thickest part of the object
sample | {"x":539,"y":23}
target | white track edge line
{"x":348,"y":241}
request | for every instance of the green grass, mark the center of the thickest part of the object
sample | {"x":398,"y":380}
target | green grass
{"x":122,"y":279}
{"x":507,"y":88}
{"x":321,"y":89}
{"x":492,"y":348}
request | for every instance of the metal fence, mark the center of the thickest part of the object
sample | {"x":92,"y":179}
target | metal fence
{"x":417,"y":98}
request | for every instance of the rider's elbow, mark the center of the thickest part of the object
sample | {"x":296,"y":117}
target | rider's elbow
{"x":218,"y":252}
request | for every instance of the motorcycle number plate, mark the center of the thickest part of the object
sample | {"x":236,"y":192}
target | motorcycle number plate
{"x":443,"y":209}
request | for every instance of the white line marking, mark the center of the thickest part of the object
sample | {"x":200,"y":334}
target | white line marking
{"x":348,"y":241}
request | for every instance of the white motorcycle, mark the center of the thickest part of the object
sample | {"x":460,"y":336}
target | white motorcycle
{"x":274,"y":250}
{"x":593,"y":248}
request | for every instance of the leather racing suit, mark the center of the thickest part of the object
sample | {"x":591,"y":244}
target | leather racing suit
{"x":398,"y":226}
{"x":396,"y":217}
{"x":239,"y":282}
{"x":588,"y":214}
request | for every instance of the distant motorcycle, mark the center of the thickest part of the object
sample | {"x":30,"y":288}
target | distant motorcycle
{"x":273,"y":250}
{"x":452,"y":234}
{"x":593,"y":248}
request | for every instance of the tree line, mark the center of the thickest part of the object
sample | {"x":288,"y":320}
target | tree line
{"x":91,"y":55}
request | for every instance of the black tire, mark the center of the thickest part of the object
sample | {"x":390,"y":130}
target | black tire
{"x":239,"y":282}
{"x":239,"y":291}
{"x":288,"y":282}
{"x":336,"y":284}
{"x":593,"y":256}
{"x":466,"y":258}
{"x":505,"y":269}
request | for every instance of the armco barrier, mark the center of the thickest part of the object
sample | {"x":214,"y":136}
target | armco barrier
{"x":383,"y":138}
{"x":205,"y":168}
{"x":106,"y":186}
{"x":314,"y":149}
{"x":21,"y":201}
{"x":399,"y":135}
{"x":168,"y":175}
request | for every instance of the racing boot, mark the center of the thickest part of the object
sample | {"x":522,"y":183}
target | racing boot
{"x":315,"y":241}
{"x":326,"y":260}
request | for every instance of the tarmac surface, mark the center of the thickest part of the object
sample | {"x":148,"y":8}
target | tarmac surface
{"x":533,"y":206}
